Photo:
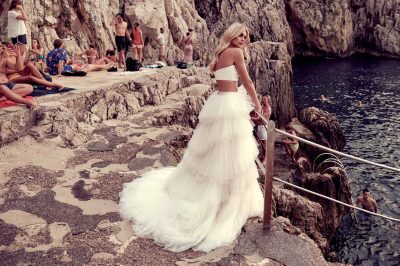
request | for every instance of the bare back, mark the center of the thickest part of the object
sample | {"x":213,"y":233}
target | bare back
{"x":225,"y":59}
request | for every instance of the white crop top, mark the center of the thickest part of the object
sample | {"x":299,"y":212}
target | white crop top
{"x":226,"y":73}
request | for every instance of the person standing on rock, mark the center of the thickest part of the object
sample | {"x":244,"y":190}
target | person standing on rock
{"x":120,"y":39}
{"x":367,"y":202}
{"x":137,"y":42}
{"x":205,"y":200}
{"x":187,"y":46}
{"x":16,"y":25}
{"x":161,"y":45}
{"x":260,"y":127}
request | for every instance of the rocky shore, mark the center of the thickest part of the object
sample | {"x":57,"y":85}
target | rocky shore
{"x":62,"y":170}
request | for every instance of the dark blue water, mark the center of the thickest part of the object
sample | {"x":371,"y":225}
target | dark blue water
{"x":372,"y":132}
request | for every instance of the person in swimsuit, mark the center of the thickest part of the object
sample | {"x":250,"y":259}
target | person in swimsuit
{"x":120,"y":39}
{"x":137,"y":42}
{"x":187,"y":44}
{"x":367,"y":202}
{"x":36,"y":55}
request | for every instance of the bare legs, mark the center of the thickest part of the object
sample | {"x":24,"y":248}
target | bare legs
{"x":138,"y":54}
{"x":36,"y":81}
{"x":17,"y":93}
{"x":121,"y":59}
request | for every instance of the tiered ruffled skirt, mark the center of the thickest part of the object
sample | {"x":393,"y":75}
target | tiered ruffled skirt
{"x":203,"y":202}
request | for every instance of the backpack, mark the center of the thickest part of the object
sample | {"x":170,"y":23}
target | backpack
{"x":132,"y":64}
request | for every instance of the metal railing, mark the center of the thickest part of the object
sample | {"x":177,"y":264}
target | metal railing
{"x":269,"y":153}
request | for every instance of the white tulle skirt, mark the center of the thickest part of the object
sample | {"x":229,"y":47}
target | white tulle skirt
{"x":203,"y":202}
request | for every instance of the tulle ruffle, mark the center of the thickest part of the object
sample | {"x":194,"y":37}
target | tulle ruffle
{"x":204,"y":201}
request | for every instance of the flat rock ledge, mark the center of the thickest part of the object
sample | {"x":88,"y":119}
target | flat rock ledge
{"x":64,"y":165}
{"x":123,"y":96}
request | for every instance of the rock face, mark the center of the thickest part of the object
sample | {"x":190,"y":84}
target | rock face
{"x":270,"y":69}
{"x":321,"y":27}
{"x":176,"y":17}
{"x":87,"y":22}
{"x":334,"y":184}
{"x":377,"y":26}
{"x":343,"y":27}
{"x":317,"y":27}
{"x":265,"y":19}
{"x":325,"y":128}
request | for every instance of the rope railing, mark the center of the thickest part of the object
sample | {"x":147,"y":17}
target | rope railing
{"x":269,"y":153}
{"x":261,"y":166}
{"x":329,"y":149}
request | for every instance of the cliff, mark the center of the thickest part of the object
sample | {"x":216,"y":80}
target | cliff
{"x":309,"y":27}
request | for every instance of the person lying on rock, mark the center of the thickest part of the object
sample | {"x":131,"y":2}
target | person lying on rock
{"x":10,"y":90}
{"x":291,"y":144}
{"x":29,"y":73}
{"x":79,"y":65}
{"x":367,"y":202}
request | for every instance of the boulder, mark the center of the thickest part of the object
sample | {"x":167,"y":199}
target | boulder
{"x":325,"y":129}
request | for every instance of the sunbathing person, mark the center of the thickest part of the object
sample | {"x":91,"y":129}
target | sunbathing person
{"x":15,"y":92}
{"x":91,"y":54}
{"x":9,"y":90}
{"x":79,"y":65}
{"x":29,"y":73}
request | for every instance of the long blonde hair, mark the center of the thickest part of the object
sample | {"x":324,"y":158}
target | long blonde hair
{"x":231,"y":33}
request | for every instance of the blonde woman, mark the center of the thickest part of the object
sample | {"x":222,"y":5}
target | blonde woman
{"x":204,"y":201}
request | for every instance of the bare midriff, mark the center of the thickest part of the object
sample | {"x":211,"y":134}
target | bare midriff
{"x":227,"y":85}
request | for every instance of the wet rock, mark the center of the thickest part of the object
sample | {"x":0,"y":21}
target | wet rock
{"x":84,"y":174}
{"x":8,"y":233}
{"x":140,"y":163}
{"x":100,"y":146}
{"x":46,"y":207}
{"x":101,"y":164}
{"x":167,"y":158}
{"x":108,"y":186}
{"x":301,"y":212}
{"x":334,"y":184}
{"x":79,"y":191}
{"x":278,"y":245}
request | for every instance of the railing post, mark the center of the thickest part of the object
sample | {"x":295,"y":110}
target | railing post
{"x":269,"y":153}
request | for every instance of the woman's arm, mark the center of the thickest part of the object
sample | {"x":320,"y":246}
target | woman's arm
{"x":23,"y":14}
{"x":238,"y":60}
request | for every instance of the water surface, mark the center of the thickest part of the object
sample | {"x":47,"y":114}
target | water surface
{"x":372,"y":132}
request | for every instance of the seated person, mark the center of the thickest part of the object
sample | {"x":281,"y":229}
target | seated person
{"x":36,"y":55}
{"x":15,"y":92}
{"x":291,"y":145}
{"x":56,"y":58}
{"x":91,"y":54}
{"x":29,"y":73}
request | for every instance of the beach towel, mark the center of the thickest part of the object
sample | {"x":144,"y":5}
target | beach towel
{"x":41,"y":90}
{"x":8,"y":103}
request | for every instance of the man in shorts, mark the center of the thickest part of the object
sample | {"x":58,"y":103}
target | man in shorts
{"x":120,"y":39}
